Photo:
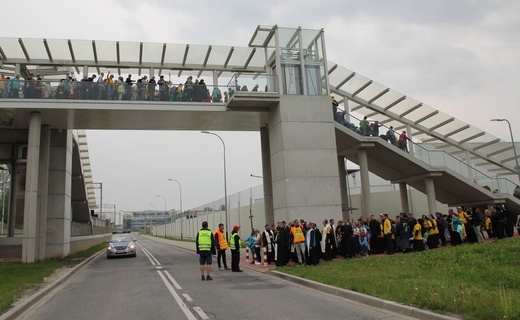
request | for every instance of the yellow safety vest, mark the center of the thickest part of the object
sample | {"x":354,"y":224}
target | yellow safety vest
{"x":221,"y":238}
{"x":204,"y":240}
{"x":297,"y":234}
{"x":232,"y":244}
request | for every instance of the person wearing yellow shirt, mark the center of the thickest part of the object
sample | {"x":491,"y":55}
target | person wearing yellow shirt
{"x":386,"y":225}
{"x":418,"y":244}
{"x":433,"y":231}
{"x":463,"y":216}
{"x":488,"y":225}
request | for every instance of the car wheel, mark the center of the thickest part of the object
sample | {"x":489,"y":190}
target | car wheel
{"x":135,"y":255}
{"x":109,"y":257}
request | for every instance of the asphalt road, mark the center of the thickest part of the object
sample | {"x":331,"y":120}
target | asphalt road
{"x":163,"y":282}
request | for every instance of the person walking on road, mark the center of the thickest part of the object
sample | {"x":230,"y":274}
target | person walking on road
{"x":222,"y":245}
{"x":234,"y":245}
{"x":205,"y":249}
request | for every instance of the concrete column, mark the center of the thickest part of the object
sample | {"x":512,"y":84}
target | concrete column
{"x":267,"y":175}
{"x":347,"y":108}
{"x":430,"y":195}
{"x":403,"y":192}
{"x":304,"y":159}
{"x":11,"y":219}
{"x":152,"y":71}
{"x":43,"y":188}
{"x":343,"y":187}
{"x":30,"y":218}
{"x":365,"y":183}
{"x":85,"y":71}
{"x":59,"y":212}
{"x":17,"y":69}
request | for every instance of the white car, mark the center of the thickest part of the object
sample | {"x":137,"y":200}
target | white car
{"x":121,"y":244}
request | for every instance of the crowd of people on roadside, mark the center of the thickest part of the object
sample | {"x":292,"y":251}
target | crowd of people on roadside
{"x":371,"y":129}
{"x":99,"y":87}
{"x":305,"y":243}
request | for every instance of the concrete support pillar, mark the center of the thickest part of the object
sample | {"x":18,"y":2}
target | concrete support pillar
{"x":267,"y":175}
{"x":430,"y":195}
{"x":30,"y":219}
{"x":43,"y":188}
{"x":85,"y":71}
{"x":343,"y":187}
{"x":403,"y":192}
{"x":13,"y":201}
{"x":59,"y":212}
{"x":347,"y":108}
{"x":304,"y":159}
{"x":17,"y":69}
{"x":365,"y":184}
{"x":215,"y":79}
{"x":152,"y":71}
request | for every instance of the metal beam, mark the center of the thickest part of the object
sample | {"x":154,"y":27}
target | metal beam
{"x":431,"y":114}
{"x":94,"y":50}
{"x":251,"y":55}
{"x":141,"y":53}
{"x":230,"y":53}
{"x":394,"y":103}
{"x":382,"y":93}
{"x":507,"y":148}
{"x":443,"y":123}
{"x":412,"y":109}
{"x":46,"y":45}
{"x":363,"y":87}
{"x":22,"y":45}
{"x":345,"y":80}
{"x":456,"y":131}
{"x":485,"y":144}
{"x":69,"y":43}
{"x":481,"y":133}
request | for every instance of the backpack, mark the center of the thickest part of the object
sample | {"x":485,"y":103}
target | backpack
{"x":393,"y":229}
{"x":406,"y":228}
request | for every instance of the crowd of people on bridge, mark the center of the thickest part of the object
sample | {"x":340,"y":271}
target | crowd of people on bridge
{"x":305,"y":243}
{"x":371,"y":129}
{"x":110,"y":87}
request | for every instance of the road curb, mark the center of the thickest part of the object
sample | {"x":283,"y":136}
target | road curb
{"x":23,"y":306}
{"x":365,"y":299}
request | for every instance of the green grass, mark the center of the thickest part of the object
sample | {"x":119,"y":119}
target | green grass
{"x":16,"y":277}
{"x":479,"y":281}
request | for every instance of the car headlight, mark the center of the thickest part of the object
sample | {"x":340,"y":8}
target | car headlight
{"x":131,"y":246}
{"x":110,"y":248}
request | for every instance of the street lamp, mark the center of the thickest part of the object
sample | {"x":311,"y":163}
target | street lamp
{"x":164,"y":202}
{"x":180,"y":199}
{"x":513,"y":142}
{"x":3,"y":200}
{"x":225,"y":180}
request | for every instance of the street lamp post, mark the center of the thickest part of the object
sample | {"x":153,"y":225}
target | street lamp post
{"x":155,"y":212}
{"x":225,"y":180}
{"x":514,"y":147}
{"x":164,"y":202}
{"x":180,"y":200}
{"x":3,"y":201}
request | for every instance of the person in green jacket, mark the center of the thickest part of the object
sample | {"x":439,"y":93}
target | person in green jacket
{"x":234,"y":245}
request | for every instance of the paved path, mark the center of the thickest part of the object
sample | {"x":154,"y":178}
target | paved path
{"x":163,"y":282}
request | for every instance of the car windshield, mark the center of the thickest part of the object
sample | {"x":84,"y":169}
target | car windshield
{"x":121,"y":238}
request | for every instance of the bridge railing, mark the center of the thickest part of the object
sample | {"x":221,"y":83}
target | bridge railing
{"x":135,"y":91}
{"x":442,"y":159}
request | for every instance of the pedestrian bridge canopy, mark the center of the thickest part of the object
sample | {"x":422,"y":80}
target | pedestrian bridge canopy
{"x":304,"y":69}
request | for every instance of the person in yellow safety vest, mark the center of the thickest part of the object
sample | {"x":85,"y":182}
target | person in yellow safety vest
{"x":234,"y":245}
{"x":418,"y":244}
{"x":205,"y":249}
{"x":464,"y":218}
{"x":433,"y":232}
{"x":299,"y":241}
{"x":222,"y":245}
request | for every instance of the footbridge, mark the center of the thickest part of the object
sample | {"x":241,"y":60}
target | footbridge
{"x":280,"y":85}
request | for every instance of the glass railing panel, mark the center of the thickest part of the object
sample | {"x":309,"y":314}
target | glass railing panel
{"x":261,"y":83}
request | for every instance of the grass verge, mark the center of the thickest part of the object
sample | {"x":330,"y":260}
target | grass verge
{"x":479,"y":281}
{"x":17,"y":278}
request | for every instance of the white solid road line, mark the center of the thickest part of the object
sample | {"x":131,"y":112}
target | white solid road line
{"x":201,"y":313}
{"x":152,"y":257}
{"x":178,"y":299}
{"x":148,"y":256}
{"x":187,"y":297}
{"x":177,"y":286}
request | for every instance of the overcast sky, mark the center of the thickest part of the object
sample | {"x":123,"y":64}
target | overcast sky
{"x":461,"y":57}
